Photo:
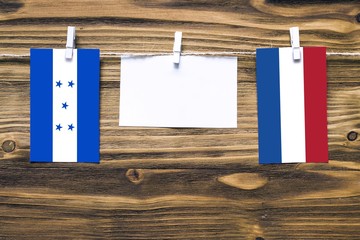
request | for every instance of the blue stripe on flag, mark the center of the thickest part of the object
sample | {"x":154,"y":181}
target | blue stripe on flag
{"x":268,"y":92}
{"x":41,"y":76}
{"x":88,"y":105}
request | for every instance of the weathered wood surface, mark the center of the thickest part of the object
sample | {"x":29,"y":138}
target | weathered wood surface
{"x":180,"y":183}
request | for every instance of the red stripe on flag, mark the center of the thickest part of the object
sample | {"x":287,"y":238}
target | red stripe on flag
{"x":315,"y":87}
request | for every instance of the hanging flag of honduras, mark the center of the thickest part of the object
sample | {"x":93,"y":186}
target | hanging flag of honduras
{"x":64,"y":106}
{"x":292,"y":115}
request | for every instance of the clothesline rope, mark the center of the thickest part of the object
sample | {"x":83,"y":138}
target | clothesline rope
{"x":128,"y":54}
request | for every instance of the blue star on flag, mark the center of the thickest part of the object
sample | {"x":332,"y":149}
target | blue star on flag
{"x":71,"y":126}
{"x":58,"y":127}
{"x":58,"y":84}
{"x":65,"y":105}
{"x":71,"y":84}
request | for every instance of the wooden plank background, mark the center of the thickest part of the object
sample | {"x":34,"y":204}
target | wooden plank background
{"x":180,"y":183}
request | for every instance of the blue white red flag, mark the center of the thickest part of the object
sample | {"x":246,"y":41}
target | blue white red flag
{"x":64,"y":106}
{"x":292,"y":116}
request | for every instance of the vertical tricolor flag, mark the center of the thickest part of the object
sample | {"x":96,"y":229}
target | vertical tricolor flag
{"x":64,"y":106}
{"x":292,"y":116}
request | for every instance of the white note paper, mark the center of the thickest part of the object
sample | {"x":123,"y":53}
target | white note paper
{"x":200,"y":92}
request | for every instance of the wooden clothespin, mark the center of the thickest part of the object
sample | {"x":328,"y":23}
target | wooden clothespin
{"x":70,"y":42}
{"x":177,"y":47}
{"x":295,"y":42}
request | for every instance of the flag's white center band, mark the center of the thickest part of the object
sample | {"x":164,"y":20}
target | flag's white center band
{"x":64,"y":107}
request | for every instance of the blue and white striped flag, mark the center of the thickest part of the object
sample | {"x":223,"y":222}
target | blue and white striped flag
{"x":64,"y":106}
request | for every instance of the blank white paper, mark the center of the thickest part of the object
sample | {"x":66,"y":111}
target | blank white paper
{"x":200,"y":92}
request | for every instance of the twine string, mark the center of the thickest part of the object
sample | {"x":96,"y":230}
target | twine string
{"x":148,"y":54}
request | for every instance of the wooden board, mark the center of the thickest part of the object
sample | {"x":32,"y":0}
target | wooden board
{"x":180,"y":183}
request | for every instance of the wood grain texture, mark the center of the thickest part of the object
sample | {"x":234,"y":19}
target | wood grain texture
{"x":179,"y":183}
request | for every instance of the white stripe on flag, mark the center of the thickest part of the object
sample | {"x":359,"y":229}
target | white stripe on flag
{"x":292,"y":109}
{"x":64,"y":107}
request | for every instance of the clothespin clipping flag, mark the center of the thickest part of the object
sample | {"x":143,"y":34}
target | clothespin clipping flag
{"x":292,"y":116}
{"x":64,"y":105}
